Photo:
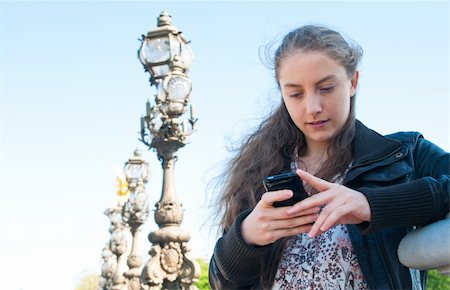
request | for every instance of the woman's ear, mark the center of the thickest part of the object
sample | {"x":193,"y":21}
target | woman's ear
{"x":354,"y":84}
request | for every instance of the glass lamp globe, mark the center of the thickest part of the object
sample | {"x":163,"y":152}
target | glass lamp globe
{"x":160,"y":46}
{"x":154,"y":54}
{"x":134,"y":171}
{"x":186,"y":54}
{"x":136,"y":168}
{"x":140,"y":200}
{"x":178,"y":88}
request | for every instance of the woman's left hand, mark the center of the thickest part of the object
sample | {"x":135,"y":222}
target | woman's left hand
{"x":342,"y":205}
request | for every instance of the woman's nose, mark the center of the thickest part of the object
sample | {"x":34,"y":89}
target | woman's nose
{"x":313,"y":104}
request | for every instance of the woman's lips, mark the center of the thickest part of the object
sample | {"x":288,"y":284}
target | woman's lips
{"x":317,"y":124}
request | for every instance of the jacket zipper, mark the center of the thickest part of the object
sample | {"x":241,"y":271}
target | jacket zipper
{"x":385,"y":258}
{"x":380,"y":249}
{"x":376,"y":160}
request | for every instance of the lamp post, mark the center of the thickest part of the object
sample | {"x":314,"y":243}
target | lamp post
{"x":112,"y":254}
{"x":166,"y":55}
{"x":109,"y":268}
{"x":135,"y":213}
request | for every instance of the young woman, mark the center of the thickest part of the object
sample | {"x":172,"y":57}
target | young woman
{"x":366,"y":190}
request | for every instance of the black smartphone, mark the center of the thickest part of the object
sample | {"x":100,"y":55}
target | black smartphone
{"x":290,"y":181}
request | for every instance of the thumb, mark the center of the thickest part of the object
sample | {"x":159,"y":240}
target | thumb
{"x":270,"y":197}
{"x":316,"y":182}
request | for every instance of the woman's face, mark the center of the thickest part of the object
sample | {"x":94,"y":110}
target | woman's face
{"x":317,"y":92}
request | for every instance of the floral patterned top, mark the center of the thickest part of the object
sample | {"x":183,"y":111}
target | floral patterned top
{"x":325,"y":262}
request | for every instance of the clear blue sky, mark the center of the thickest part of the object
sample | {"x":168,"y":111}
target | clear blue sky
{"x":72,"y":91}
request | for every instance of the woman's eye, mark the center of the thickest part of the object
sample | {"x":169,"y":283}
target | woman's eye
{"x":296,"y":95}
{"x":327,"y":89}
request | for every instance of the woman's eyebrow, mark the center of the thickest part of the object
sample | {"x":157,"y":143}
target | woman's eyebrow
{"x":292,"y":85}
{"x":327,"y":78}
{"x":322,"y":80}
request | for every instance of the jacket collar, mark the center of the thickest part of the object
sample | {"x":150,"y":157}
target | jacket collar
{"x":370,"y":146}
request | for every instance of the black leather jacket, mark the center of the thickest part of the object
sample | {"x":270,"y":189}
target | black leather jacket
{"x":406,"y":181}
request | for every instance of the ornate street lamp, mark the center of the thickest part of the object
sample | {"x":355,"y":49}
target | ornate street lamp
{"x":112,"y":254}
{"x":160,"y":46}
{"x":166,"y":55}
{"x":135,"y":213}
{"x":127,"y":216}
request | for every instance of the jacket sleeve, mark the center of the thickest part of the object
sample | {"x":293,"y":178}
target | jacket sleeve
{"x":235,"y":264}
{"x":420,"y":202}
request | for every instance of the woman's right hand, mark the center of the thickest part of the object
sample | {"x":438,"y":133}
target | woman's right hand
{"x":266,"y":223}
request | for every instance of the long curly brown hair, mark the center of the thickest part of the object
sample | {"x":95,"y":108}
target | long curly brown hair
{"x":270,"y":149}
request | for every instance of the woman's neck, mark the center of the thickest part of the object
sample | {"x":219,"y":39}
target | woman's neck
{"x":316,"y":151}
{"x":313,"y":158}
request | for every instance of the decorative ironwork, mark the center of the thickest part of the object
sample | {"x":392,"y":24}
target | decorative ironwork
{"x":166,"y":55}
{"x":126,"y":219}
{"x":135,"y":213}
{"x":112,"y":253}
